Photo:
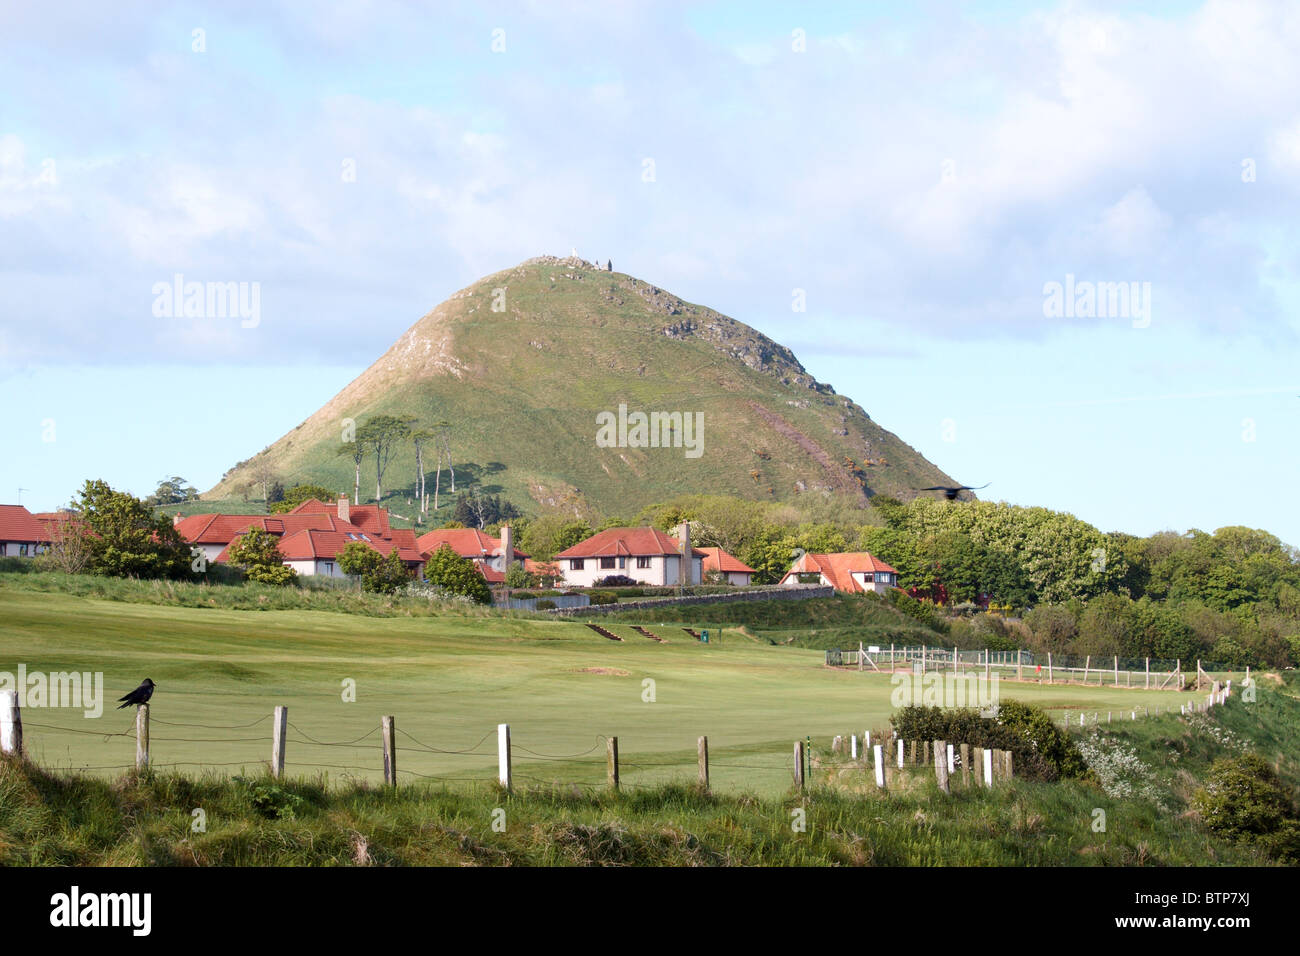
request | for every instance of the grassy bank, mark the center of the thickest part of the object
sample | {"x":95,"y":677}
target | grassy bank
{"x":59,"y":820}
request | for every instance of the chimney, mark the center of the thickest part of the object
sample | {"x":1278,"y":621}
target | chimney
{"x":176,"y":518}
{"x":507,"y":546}
{"x":344,"y":509}
{"x":686,"y":566}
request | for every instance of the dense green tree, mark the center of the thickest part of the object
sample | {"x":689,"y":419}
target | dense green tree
{"x":127,"y":539}
{"x":172,"y":491}
{"x":449,"y":571}
{"x":258,"y":553}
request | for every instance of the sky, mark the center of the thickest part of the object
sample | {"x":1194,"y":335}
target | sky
{"x":927,"y":179}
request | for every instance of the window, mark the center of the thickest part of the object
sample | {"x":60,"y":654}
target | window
{"x":643,"y":561}
{"x":606,"y":563}
{"x":22,"y":550}
{"x":575,"y":564}
{"x":329,"y":568}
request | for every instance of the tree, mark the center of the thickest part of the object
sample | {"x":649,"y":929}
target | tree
{"x":380,"y":574}
{"x":449,"y":571}
{"x":296,"y":495}
{"x":382,"y":434}
{"x":517,"y":577}
{"x":420,"y":437}
{"x":355,"y":450}
{"x":258,"y":553}
{"x":172,"y":491}
{"x":263,"y":475}
{"x":126,"y":538}
{"x":70,"y":549}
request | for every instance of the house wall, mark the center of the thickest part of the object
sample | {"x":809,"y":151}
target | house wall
{"x":20,"y":549}
{"x":322,"y":566}
{"x":661,"y":573}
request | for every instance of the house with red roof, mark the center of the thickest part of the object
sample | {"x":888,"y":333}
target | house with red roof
{"x":22,"y":535}
{"x":731,"y":569}
{"x":854,"y":572}
{"x":310,"y":536}
{"x":646,"y":555}
{"x":492,"y":556}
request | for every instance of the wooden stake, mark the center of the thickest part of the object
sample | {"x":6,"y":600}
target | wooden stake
{"x":941,"y":765}
{"x":798,"y":764}
{"x":388,"y":731}
{"x":611,"y":761}
{"x":702,"y":752}
{"x":141,"y":736}
{"x":965,"y":765}
{"x":279,"y":725}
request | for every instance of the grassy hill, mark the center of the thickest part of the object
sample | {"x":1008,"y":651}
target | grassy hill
{"x":521,"y":389}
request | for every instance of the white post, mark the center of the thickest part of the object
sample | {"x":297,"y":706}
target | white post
{"x":11,"y":723}
{"x":503,"y":755}
{"x":900,"y":755}
{"x":988,"y":767}
{"x":951,"y":765}
{"x":853,"y":746}
{"x":880,"y":768}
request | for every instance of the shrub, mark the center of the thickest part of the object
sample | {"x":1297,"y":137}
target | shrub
{"x":257,"y":552}
{"x":545,"y":604}
{"x":450,"y":571}
{"x":602,"y":597}
{"x":1244,"y":798}
{"x":615,"y":581}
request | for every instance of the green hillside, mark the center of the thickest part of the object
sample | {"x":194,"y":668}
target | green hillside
{"x":521,"y":388}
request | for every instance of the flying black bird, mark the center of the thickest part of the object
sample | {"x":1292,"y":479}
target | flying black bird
{"x":951,"y":493}
{"x":140,"y":695}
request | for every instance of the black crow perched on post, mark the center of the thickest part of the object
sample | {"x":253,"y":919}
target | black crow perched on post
{"x":952,"y":493}
{"x":140,"y":695}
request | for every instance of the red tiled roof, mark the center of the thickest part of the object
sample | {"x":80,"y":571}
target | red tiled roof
{"x":313,"y":544}
{"x":222,"y":529}
{"x":373,"y":519}
{"x":628,"y":541}
{"x":715,"y":559}
{"x":466,"y":542}
{"x":839,"y":569}
{"x":19,"y":524}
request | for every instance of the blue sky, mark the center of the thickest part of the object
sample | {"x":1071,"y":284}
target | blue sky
{"x":921,"y":171}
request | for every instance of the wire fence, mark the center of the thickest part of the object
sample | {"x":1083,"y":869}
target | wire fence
{"x":387,"y":753}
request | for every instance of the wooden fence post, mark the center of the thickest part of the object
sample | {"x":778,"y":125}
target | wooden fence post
{"x":702,"y":754}
{"x":611,"y":760}
{"x":798,"y":764}
{"x":503,"y":756}
{"x":1006,"y":758}
{"x":11,"y":723}
{"x":861,"y":663}
{"x":986,"y":664}
{"x":1020,"y":671}
{"x":141,"y":736}
{"x":279,"y":724}
{"x":1049,"y":667}
{"x":388,"y":731}
{"x":965,"y":765}
{"x":1148,"y":685}
{"x":911,"y":753}
{"x":941,"y":765}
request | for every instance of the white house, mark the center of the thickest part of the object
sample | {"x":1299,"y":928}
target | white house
{"x":21,"y":535}
{"x":645,"y":555}
{"x":854,"y":572}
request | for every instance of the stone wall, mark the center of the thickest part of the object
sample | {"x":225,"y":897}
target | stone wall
{"x":775,"y":593}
